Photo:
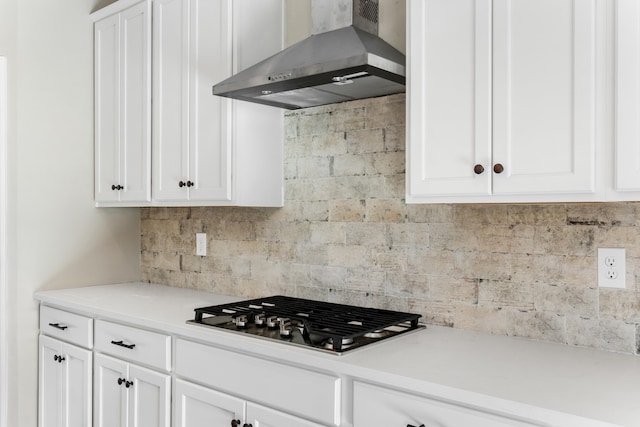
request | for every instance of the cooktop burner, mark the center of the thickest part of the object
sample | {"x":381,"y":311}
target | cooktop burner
{"x":321,"y":325}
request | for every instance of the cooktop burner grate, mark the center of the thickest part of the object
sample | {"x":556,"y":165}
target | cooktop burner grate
{"x":332,"y":326}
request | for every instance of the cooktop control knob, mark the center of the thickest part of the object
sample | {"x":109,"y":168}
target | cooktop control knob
{"x":272,"y":322}
{"x":286,"y":328}
{"x":241,"y":321}
{"x":260,"y":319}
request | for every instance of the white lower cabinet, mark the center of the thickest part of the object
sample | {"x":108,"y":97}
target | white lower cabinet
{"x":378,"y":406}
{"x":130,"y":395}
{"x":195,"y":406}
{"x":64,"y":395}
{"x":276,"y":394}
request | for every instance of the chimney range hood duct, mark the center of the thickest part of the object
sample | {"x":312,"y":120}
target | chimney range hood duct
{"x":333,"y":65}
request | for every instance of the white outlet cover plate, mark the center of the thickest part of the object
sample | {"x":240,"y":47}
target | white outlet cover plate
{"x":617,"y":270}
{"x":201,"y":244}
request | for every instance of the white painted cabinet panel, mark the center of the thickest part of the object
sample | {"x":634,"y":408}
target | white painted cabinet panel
{"x":129,"y":395}
{"x":123,"y":106}
{"x":499,"y":109}
{"x":261,"y":416}
{"x":196,"y":406}
{"x":64,"y":389}
{"x":627,"y":155}
{"x":377,"y":406}
{"x":544,"y":96}
{"x":192,"y":51}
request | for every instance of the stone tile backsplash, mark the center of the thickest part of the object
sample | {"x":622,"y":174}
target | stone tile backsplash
{"x":346,"y":235}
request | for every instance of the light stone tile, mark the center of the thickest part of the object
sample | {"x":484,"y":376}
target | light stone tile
{"x":386,"y":211}
{"x":409,"y":234}
{"x":456,"y":290}
{"x":407,"y":285}
{"x":433,"y":312}
{"x":368,"y":299}
{"x":537,"y":325}
{"x":550,"y":215}
{"x":497,"y":295}
{"x":295,"y":274}
{"x":314,"y":167}
{"x":349,"y":165}
{"x":331,"y":144}
{"x":432,"y":214}
{"x":346,"y":255}
{"x":483,"y":319}
{"x":486,"y":215}
{"x":361,"y":280}
{"x":191,"y":263}
{"x":394,"y":187}
{"x":328,"y":232}
{"x":430,"y":262}
{"x":385,"y":114}
{"x":620,"y":304}
{"x":365,"y":234}
{"x":603,"y":334}
{"x":388,"y":259}
{"x":387,"y":163}
{"x":574,"y":240}
{"x":365,"y":141}
{"x":328,"y":277}
{"x":394,"y":138}
{"x":566,"y":300}
{"x":315,"y":254}
{"x":347,"y":210}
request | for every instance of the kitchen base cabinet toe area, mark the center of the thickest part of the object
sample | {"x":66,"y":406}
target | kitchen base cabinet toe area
{"x":131,"y":355}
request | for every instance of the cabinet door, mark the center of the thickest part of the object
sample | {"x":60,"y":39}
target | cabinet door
{"x":196,"y":406}
{"x":376,"y":406}
{"x":260,"y":416}
{"x":627,"y":158}
{"x":149,"y":398}
{"x":449,"y":101}
{"x":192,"y":51}
{"x":135,"y":95}
{"x":77,"y":371}
{"x":64,"y":384}
{"x":110,"y":398}
{"x":544,"y":96}
{"x":122,"y":106}
{"x":107,"y":108}
{"x":51,"y":387}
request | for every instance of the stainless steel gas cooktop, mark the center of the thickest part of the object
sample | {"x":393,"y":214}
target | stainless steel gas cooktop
{"x":335,"y":328}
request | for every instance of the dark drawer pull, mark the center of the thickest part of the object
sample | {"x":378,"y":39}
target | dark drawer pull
{"x":409,"y":425}
{"x":121,"y":344}
{"x":58,"y":326}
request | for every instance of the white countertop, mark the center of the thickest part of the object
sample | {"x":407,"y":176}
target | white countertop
{"x":510,"y":374}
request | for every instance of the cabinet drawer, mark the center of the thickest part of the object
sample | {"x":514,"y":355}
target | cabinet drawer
{"x":309,"y":394}
{"x":137,"y":345}
{"x":70,"y":327}
{"x":378,"y":406}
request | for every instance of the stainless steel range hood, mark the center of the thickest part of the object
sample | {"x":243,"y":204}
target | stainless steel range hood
{"x":336,"y":65}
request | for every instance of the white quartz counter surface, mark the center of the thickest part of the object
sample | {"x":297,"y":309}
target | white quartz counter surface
{"x":509,"y":374}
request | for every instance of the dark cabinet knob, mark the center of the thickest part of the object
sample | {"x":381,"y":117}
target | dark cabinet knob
{"x":128,"y":384}
{"x":498,"y":168}
{"x":117,"y":187}
{"x":58,"y":359}
{"x":478,"y":169}
{"x":121,"y":381}
{"x":181,"y":184}
{"x":247,"y":425}
{"x":190,"y":184}
{"x":235,"y":423}
{"x":409,"y":425}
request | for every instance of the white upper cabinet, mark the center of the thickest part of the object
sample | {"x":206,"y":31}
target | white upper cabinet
{"x":123,"y":106}
{"x":627,"y":155}
{"x":192,"y":133}
{"x":501,"y":100}
{"x":203,"y":150}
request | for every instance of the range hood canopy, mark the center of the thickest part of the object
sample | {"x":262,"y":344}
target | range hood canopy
{"x":328,"y":67}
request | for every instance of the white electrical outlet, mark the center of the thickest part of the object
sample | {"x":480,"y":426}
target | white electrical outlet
{"x":201,"y":244}
{"x":611,"y":268}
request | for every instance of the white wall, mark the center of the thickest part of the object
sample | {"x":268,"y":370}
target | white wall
{"x":57,"y":238}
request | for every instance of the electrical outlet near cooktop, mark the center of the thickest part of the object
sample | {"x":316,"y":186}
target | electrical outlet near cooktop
{"x":612,"y":268}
